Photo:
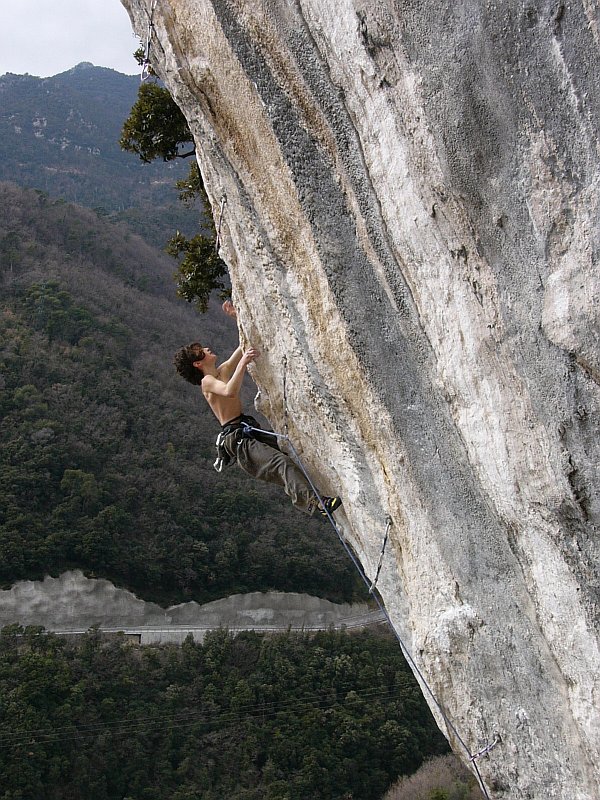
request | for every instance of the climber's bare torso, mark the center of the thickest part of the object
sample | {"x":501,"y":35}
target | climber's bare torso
{"x":221,"y":385}
{"x":223,"y":407}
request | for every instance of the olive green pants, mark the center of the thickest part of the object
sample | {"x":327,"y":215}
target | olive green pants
{"x":269,"y":464}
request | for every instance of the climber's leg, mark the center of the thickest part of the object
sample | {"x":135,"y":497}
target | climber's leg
{"x":273,"y":466}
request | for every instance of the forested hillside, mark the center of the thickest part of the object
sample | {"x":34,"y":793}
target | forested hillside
{"x":334,"y":717}
{"x":106,"y":454}
{"x":61,"y":135}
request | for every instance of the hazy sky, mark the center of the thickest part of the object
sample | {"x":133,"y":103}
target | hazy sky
{"x":45,"y":37}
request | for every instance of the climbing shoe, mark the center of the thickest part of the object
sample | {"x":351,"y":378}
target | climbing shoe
{"x":329,"y":505}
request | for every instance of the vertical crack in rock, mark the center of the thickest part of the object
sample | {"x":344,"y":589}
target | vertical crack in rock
{"x":412,"y":234}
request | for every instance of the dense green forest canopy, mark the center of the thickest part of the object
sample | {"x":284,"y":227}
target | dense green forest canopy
{"x":106,"y":454}
{"x":333,"y":717}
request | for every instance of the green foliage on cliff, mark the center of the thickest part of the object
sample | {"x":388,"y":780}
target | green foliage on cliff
{"x":200,"y":269}
{"x":155,"y":127}
{"x":333,"y":717}
{"x":105,"y":453}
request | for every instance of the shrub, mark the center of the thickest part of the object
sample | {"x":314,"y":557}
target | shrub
{"x":439,"y":778}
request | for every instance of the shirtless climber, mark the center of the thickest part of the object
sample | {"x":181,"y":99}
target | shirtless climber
{"x":257,"y":453}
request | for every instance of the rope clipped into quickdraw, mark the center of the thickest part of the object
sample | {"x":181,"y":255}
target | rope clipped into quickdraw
{"x":379,"y":565}
{"x":146,"y":66}
{"x":222,"y":209}
{"x":450,"y":725}
{"x":485,"y":750}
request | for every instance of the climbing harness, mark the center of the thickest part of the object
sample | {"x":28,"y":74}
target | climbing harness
{"x":146,"y":66}
{"x":222,"y":209}
{"x":249,"y":429}
{"x":223,"y":458}
{"x":244,"y":428}
{"x":385,"y":538}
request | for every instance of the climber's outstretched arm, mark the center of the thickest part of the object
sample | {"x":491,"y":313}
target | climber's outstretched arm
{"x":230,"y":387}
{"x":227,"y":368}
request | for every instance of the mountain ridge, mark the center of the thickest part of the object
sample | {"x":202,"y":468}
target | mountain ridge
{"x":61,"y":135}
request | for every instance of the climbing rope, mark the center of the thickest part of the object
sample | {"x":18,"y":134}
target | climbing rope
{"x":385,"y":538}
{"x":284,"y":391}
{"x":485,"y":750}
{"x":222,"y":209}
{"x":472,"y":757}
{"x":146,"y":66}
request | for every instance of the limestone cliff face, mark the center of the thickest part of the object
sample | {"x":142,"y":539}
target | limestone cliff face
{"x":412,"y":231}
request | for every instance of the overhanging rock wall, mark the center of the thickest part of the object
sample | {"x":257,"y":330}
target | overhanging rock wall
{"x":412,"y":231}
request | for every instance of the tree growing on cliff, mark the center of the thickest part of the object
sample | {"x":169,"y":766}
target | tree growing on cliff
{"x":200,"y":269}
{"x":156,"y":128}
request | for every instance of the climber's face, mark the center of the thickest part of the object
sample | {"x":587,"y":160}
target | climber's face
{"x":204,"y":356}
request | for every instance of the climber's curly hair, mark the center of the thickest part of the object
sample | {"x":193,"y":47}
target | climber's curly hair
{"x":184,"y":362}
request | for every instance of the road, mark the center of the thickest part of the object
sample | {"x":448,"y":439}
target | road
{"x":72,"y":604}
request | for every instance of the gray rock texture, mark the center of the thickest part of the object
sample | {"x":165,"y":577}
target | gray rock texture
{"x":412,"y":231}
{"x":73,"y":603}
